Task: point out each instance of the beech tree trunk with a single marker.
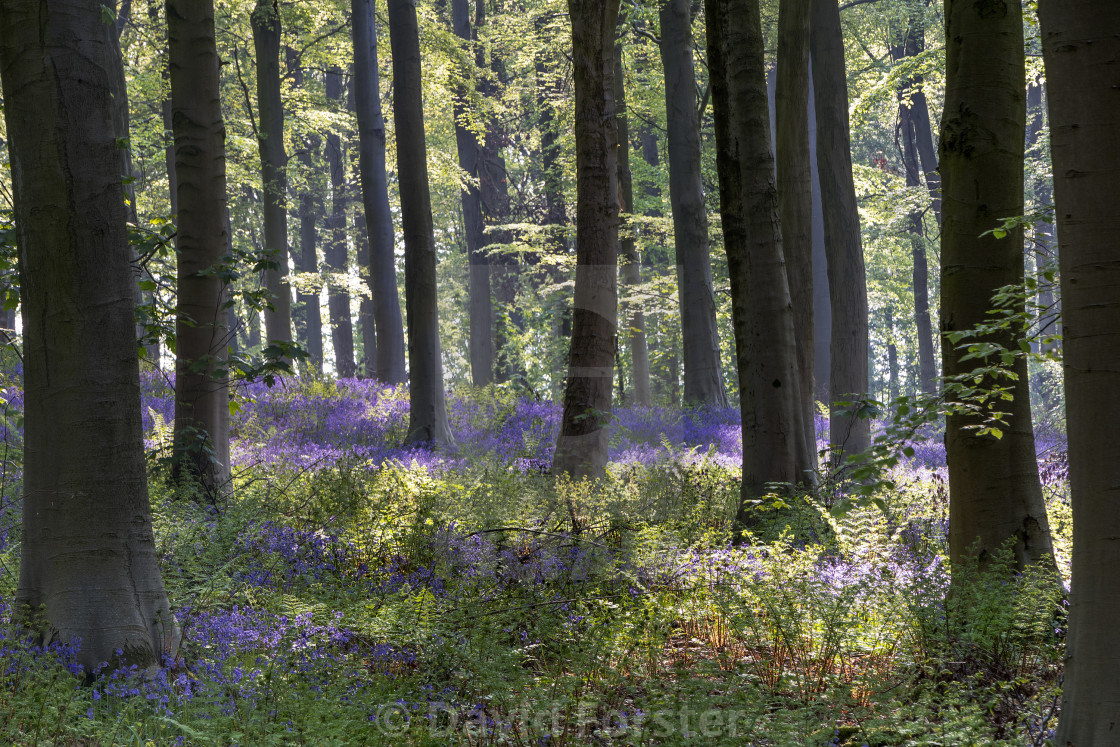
(88, 556)
(703, 377)
(910, 44)
(847, 278)
(265, 21)
(581, 448)
(338, 299)
(309, 210)
(367, 364)
(761, 311)
(795, 195)
(201, 401)
(1084, 107)
(427, 422)
(628, 250)
(994, 490)
(375, 197)
(480, 310)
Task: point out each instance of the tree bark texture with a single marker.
(479, 308)
(760, 302)
(795, 194)
(994, 490)
(428, 414)
(703, 377)
(1084, 107)
(375, 197)
(367, 364)
(847, 278)
(88, 555)
(265, 21)
(338, 298)
(627, 246)
(910, 44)
(201, 401)
(581, 448)
(309, 210)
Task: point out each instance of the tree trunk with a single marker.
(375, 198)
(88, 557)
(1084, 108)
(994, 491)
(703, 378)
(338, 299)
(427, 422)
(480, 311)
(760, 302)
(581, 449)
(310, 208)
(202, 241)
(906, 139)
(367, 364)
(822, 300)
(265, 20)
(627, 247)
(795, 195)
(847, 279)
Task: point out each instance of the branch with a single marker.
(853, 3)
(245, 90)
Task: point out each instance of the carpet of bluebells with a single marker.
(356, 592)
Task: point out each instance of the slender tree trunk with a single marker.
(703, 378)
(1084, 107)
(906, 139)
(761, 311)
(480, 312)
(427, 422)
(795, 195)
(994, 490)
(627, 247)
(88, 558)
(847, 279)
(581, 449)
(265, 21)
(310, 209)
(202, 240)
(375, 198)
(367, 364)
(822, 299)
(338, 300)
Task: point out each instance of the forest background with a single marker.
(498, 125)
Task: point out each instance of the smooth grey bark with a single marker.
(1084, 109)
(627, 247)
(581, 448)
(265, 21)
(427, 420)
(390, 366)
(479, 308)
(338, 297)
(822, 301)
(847, 278)
(201, 402)
(88, 558)
(367, 363)
(703, 377)
(994, 492)
(309, 210)
(760, 302)
(910, 43)
(795, 195)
